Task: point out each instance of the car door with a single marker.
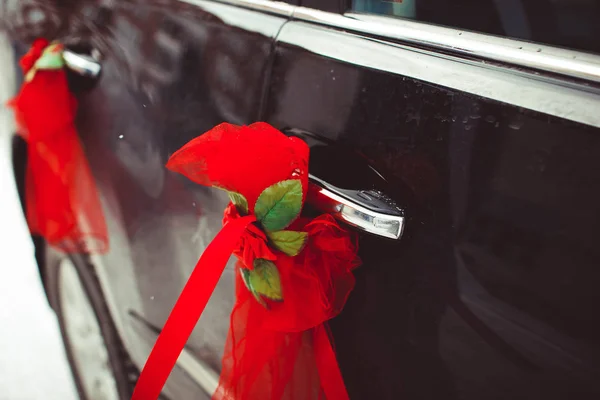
(491, 146)
(171, 70)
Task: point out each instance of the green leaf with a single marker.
(246, 278)
(264, 279)
(50, 60)
(279, 205)
(240, 202)
(289, 242)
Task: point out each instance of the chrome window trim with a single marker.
(539, 57)
(500, 84)
(267, 6)
(263, 22)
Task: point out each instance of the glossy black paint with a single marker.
(490, 294)
(169, 74)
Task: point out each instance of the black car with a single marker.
(473, 126)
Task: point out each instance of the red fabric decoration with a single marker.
(268, 351)
(242, 159)
(252, 243)
(294, 274)
(62, 204)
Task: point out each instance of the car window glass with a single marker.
(567, 23)
(293, 2)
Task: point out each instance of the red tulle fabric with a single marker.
(270, 353)
(242, 159)
(252, 244)
(283, 352)
(62, 203)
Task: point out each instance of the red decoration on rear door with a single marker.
(62, 203)
(294, 273)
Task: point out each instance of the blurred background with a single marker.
(32, 358)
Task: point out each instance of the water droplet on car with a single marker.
(151, 297)
(490, 118)
(120, 136)
(468, 127)
(475, 116)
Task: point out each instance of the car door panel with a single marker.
(490, 293)
(171, 71)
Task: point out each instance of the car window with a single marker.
(566, 23)
(293, 2)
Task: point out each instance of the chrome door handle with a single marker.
(82, 64)
(367, 210)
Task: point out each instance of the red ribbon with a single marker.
(332, 382)
(278, 349)
(189, 308)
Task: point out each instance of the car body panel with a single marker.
(490, 293)
(169, 73)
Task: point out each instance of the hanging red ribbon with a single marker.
(188, 309)
(62, 203)
(293, 274)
